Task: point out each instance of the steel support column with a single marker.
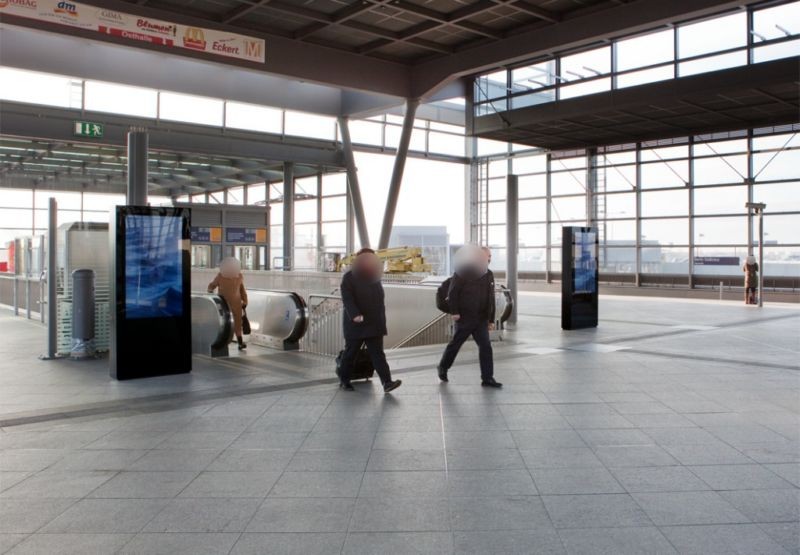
(761, 257)
(288, 216)
(349, 240)
(690, 188)
(512, 241)
(353, 187)
(397, 173)
(638, 243)
(52, 308)
(591, 186)
(320, 247)
(548, 268)
(137, 167)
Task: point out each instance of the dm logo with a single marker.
(194, 38)
(67, 9)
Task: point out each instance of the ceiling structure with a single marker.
(757, 95)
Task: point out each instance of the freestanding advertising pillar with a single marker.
(579, 278)
(151, 293)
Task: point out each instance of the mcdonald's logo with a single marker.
(194, 38)
(252, 48)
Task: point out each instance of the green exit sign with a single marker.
(88, 129)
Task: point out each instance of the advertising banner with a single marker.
(154, 31)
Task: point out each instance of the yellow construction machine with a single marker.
(397, 260)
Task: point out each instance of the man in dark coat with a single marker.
(472, 306)
(364, 319)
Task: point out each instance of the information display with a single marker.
(579, 278)
(584, 262)
(153, 266)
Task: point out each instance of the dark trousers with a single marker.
(479, 330)
(376, 354)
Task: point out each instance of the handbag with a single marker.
(245, 323)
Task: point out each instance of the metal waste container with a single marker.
(82, 314)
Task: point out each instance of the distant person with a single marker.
(471, 304)
(230, 283)
(364, 319)
(750, 270)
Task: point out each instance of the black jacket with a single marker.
(363, 298)
(472, 299)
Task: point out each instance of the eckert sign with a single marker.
(145, 29)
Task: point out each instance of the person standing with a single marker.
(230, 283)
(364, 319)
(750, 270)
(472, 308)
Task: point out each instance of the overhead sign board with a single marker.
(134, 27)
(206, 234)
(87, 128)
(716, 260)
(245, 235)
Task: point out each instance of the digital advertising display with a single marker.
(153, 266)
(579, 291)
(584, 260)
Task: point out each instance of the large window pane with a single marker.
(779, 197)
(16, 198)
(720, 200)
(256, 194)
(618, 232)
(569, 182)
(667, 232)
(532, 185)
(781, 261)
(121, 99)
(444, 143)
(529, 164)
(566, 209)
(646, 50)
(491, 86)
(660, 175)
(776, 51)
(616, 178)
(714, 63)
(334, 208)
(662, 260)
(665, 203)
(769, 166)
(334, 184)
(253, 118)
(191, 109)
(617, 260)
(781, 229)
(621, 205)
(770, 22)
(533, 210)
(532, 260)
(720, 231)
(301, 124)
(366, 132)
(723, 169)
(531, 78)
(720, 261)
(39, 88)
(713, 35)
(645, 76)
(586, 64)
(334, 235)
(588, 87)
(533, 235)
(305, 211)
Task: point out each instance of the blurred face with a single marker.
(368, 266)
(230, 267)
(470, 261)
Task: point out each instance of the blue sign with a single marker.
(201, 234)
(245, 235)
(716, 260)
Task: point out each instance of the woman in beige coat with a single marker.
(230, 283)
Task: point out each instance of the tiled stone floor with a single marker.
(672, 428)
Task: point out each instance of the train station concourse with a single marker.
(305, 277)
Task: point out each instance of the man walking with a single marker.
(472, 307)
(364, 318)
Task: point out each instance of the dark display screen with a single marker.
(153, 266)
(584, 262)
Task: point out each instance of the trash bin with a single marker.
(82, 314)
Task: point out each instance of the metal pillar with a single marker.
(591, 186)
(349, 239)
(352, 183)
(638, 241)
(137, 167)
(761, 257)
(548, 268)
(320, 246)
(288, 216)
(512, 241)
(52, 308)
(397, 173)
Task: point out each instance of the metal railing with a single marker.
(439, 330)
(324, 334)
(23, 293)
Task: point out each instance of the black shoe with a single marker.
(347, 386)
(390, 386)
(242, 346)
(442, 374)
(491, 382)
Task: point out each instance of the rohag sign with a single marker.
(145, 29)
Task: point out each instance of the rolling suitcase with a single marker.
(362, 366)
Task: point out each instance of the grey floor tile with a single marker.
(616, 541)
(498, 513)
(398, 543)
(317, 460)
(408, 440)
(634, 455)
(212, 423)
(480, 459)
(9, 479)
(775, 505)
(412, 459)
(775, 452)
(289, 544)
(252, 460)
(140, 485)
(231, 484)
(75, 484)
(680, 436)
(101, 516)
(175, 460)
(560, 457)
(598, 421)
(558, 481)
(547, 439)
(23, 516)
(338, 440)
(739, 476)
(738, 539)
(488, 483)
(400, 515)
(599, 438)
(658, 479)
(707, 454)
(788, 471)
(72, 544)
(180, 544)
(204, 515)
(404, 484)
(302, 515)
(99, 459)
(198, 440)
(542, 539)
(475, 424)
(129, 439)
(317, 484)
(594, 511)
(7, 541)
(269, 440)
(786, 534)
(479, 440)
(29, 460)
(689, 507)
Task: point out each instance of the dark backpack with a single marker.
(441, 296)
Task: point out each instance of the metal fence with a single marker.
(324, 334)
(23, 294)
